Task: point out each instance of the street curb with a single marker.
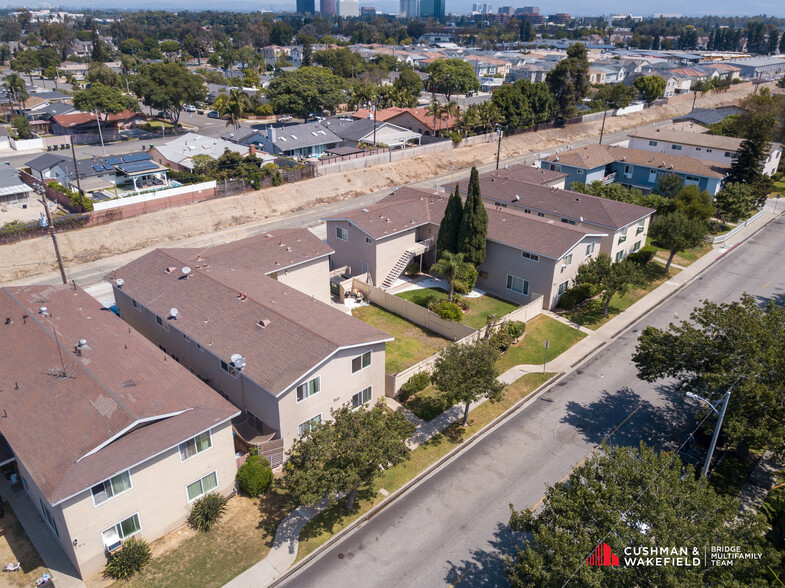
(521, 404)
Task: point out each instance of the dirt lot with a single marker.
(34, 256)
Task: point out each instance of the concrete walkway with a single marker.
(284, 550)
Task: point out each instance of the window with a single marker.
(255, 421)
(48, 516)
(162, 348)
(309, 388)
(531, 256)
(641, 226)
(729, 154)
(628, 171)
(111, 488)
(202, 486)
(636, 246)
(676, 147)
(579, 172)
(555, 167)
(518, 285)
(500, 204)
(195, 446)
(541, 214)
(199, 347)
(342, 233)
(567, 259)
(362, 397)
(563, 287)
(622, 239)
(186, 338)
(567, 221)
(305, 428)
(527, 210)
(135, 304)
(159, 321)
(709, 150)
(361, 362)
(229, 368)
(368, 240)
(652, 176)
(653, 143)
(114, 536)
(619, 255)
(698, 149)
(695, 179)
(589, 249)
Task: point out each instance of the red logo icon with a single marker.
(602, 556)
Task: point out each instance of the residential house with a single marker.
(526, 255)
(178, 153)
(533, 72)
(83, 127)
(488, 66)
(709, 116)
(723, 71)
(13, 191)
(110, 438)
(366, 131)
(597, 76)
(703, 146)
(624, 226)
(249, 319)
(529, 175)
(759, 66)
(634, 168)
(299, 141)
(273, 53)
(414, 119)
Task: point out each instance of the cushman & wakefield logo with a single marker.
(602, 556)
(642, 556)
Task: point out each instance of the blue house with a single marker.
(634, 168)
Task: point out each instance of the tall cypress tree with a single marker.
(474, 225)
(448, 229)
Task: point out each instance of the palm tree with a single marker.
(234, 106)
(468, 120)
(489, 115)
(448, 110)
(434, 109)
(17, 88)
(451, 267)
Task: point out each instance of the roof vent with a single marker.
(119, 282)
(170, 270)
(264, 323)
(186, 271)
(364, 210)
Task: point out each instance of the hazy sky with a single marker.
(575, 7)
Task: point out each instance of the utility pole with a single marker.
(76, 168)
(374, 126)
(54, 238)
(694, 99)
(604, 114)
(100, 134)
(499, 132)
(725, 402)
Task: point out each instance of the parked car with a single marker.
(315, 119)
(286, 118)
(189, 108)
(213, 114)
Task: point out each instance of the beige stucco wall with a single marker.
(612, 246)
(158, 496)
(311, 277)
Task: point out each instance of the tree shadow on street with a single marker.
(485, 567)
(623, 418)
(777, 298)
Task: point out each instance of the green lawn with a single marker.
(333, 519)
(479, 308)
(155, 125)
(682, 258)
(778, 187)
(531, 349)
(428, 403)
(589, 314)
(412, 343)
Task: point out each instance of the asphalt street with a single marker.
(451, 529)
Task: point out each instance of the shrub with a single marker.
(412, 269)
(448, 311)
(277, 178)
(501, 340)
(132, 557)
(255, 476)
(641, 257)
(206, 511)
(515, 328)
(456, 138)
(575, 295)
(417, 382)
(466, 279)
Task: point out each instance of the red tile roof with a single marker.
(79, 118)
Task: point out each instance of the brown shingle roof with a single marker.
(593, 156)
(526, 173)
(599, 211)
(301, 334)
(695, 139)
(59, 413)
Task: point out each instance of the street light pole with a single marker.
(604, 114)
(54, 238)
(725, 401)
(100, 134)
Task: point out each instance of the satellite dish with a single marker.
(235, 357)
(581, 219)
(239, 364)
(186, 270)
(107, 304)
(82, 342)
(120, 282)
(174, 312)
(43, 310)
(516, 198)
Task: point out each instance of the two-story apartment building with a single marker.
(281, 355)
(634, 168)
(701, 146)
(526, 255)
(110, 437)
(623, 225)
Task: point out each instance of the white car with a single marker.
(189, 108)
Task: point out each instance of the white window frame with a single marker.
(228, 368)
(341, 231)
(676, 147)
(118, 527)
(563, 287)
(729, 154)
(652, 143)
(162, 323)
(622, 238)
(530, 256)
(567, 259)
(362, 361)
(567, 221)
(368, 241)
(636, 247)
(620, 255)
(217, 485)
(111, 485)
(524, 291)
(541, 214)
(709, 150)
(641, 226)
(627, 171)
(579, 171)
(306, 384)
(301, 432)
(198, 452)
(589, 249)
(369, 389)
(48, 517)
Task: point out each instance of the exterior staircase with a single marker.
(397, 269)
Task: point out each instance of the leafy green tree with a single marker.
(59, 35)
(99, 52)
(669, 185)
(26, 62)
(342, 62)
(452, 76)
(280, 33)
(47, 57)
(621, 193)
(346, 453)
(676, 232)
(734, 201)
(738, 346)
(527, 33)
(408, 81)
(611, 278)
(306, 90)
(747, 166)
(650, 87)
(695, 205)
(451, 266)
(130, 46)
(524, 104)
(447, 239)
(98, 73)
(103, 99)
(569, 80)
(473, 230)
(169, 47)
(168, 87)
(52, 73)
(613, 96)
(467, 373)
(625, 496)
(22, 126)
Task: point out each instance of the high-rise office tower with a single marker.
(327, 7)
(432, 8)
(409, 9)
(347, 8)
(306, 6)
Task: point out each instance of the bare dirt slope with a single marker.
(35, 256)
